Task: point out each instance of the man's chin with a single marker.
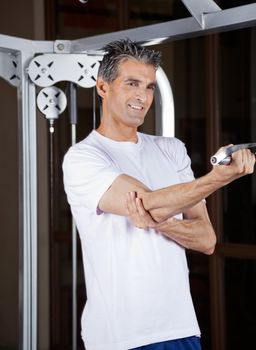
(136, 122)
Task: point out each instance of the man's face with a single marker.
(129, 97)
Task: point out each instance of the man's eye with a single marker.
(133, 83)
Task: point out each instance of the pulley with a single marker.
(51, 101)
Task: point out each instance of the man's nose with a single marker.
(141, 95)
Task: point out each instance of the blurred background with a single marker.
(214, 85)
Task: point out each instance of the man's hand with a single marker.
(242, 163)
(137, 213)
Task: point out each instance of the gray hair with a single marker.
(124, 49)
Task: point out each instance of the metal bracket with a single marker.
(9, 68)
(198, 9)
(62, 46)
(48, 69)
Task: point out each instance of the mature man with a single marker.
(137, 207)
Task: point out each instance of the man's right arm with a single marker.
(175, 199)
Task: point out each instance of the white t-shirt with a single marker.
(136, 280)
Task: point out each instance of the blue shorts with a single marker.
(190, 343)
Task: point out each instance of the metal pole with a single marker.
(28, 210)
(164, 106)
(74, 266)
(214, 22)
(73, 121)
(94, 107)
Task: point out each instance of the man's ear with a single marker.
(101, 87)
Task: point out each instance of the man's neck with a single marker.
(122, 134)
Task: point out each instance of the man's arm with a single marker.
(169, 201)
(194, 232)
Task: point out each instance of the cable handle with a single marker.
(223, 157)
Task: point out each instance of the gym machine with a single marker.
(32, 65)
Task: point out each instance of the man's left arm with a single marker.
(194, 232)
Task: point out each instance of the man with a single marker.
(137, 207)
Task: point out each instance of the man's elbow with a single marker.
(158, 215)
(209, 250)
(210, 244)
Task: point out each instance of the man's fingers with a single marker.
(130, 202)
(137, 213)
(144, 213)
(140, 207)
(245, 159)
(250, 161)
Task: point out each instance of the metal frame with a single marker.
(164, 106)
(214, 22)
(206, 18)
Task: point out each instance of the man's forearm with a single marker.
(175, 199)
(196, 234)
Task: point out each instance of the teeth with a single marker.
(138, 108)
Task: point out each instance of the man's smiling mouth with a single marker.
(135, 107)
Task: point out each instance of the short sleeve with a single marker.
(178, 152)
(185, 171)
(87, 174)
(183, 162)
